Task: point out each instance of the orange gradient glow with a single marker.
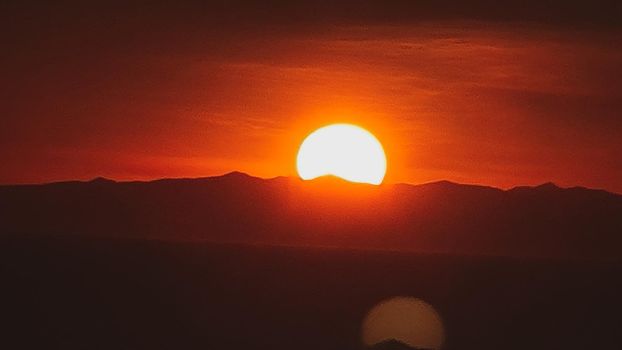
(494, 104)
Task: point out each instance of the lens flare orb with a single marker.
(408, 320)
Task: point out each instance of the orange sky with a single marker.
(473, 101)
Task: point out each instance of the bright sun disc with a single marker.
(343, 150)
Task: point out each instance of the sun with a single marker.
(343, 150)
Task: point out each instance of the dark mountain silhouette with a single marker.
(542, 221)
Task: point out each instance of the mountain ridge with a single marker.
(443, 217)
(243, 175)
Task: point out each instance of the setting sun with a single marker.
(342, 150)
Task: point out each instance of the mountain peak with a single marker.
(443, 183)
(548, 186)
(101, 180)
(236, 175)
(333, 179)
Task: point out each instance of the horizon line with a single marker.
(237, 172)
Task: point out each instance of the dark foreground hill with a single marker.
(545, 221)
(76, 293)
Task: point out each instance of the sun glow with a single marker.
(342, 150)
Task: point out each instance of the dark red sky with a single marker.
(499, 94)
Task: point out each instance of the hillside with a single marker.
(542, 221)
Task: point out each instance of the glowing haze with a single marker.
(492, 96)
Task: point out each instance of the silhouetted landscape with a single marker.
(311, 174)
(231, 262)
(543, 221)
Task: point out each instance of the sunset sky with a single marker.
(518, 93)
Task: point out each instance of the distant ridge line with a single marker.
(444, 217)
(242, 175)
